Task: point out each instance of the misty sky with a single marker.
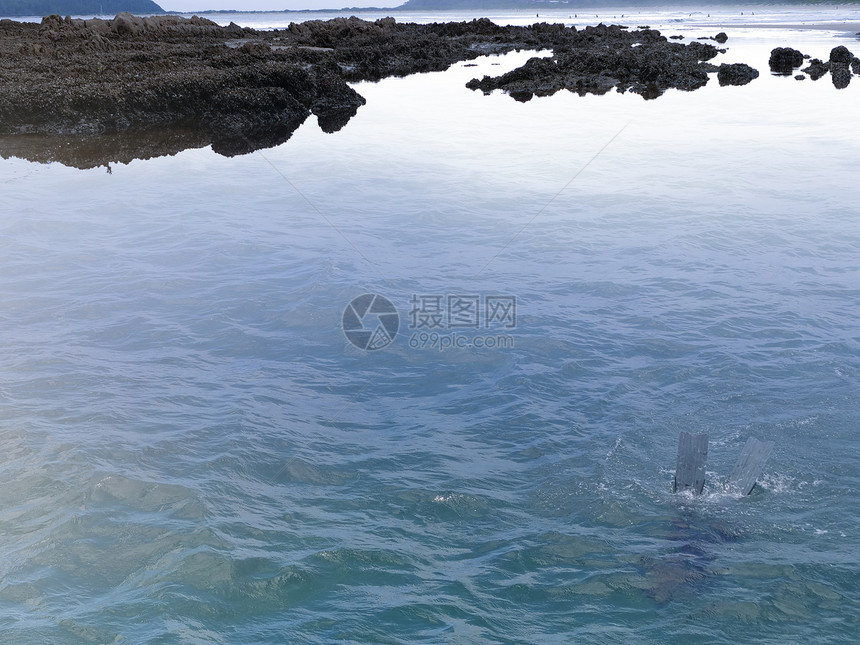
(270, 5)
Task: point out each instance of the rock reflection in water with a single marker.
(86, 151)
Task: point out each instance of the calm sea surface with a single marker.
(194, 452)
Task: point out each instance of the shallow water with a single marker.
(194, 452)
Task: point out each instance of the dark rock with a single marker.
(336, 119)
(841, 54)
(855, 65)
(260, 50)
(816, 69)
(642, 62)
(676, 37)
(784, 59)
(126, 24)
(704, 51)
(234, 30)
(87, 77)
(800, 77)
(736, 74)
(840, 75)
(721, 37)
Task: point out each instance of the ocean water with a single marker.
(195, 452)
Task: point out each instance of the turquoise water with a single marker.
(193, 452)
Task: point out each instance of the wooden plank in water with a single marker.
(690, 469)
(749, 465)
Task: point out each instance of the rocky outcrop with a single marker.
(816, 69)
(375, 50)
(783, 60)
(63, 32)
(840, 72)
(235, 86)
(720, 38)
(841, 55)
(602, 58)
(69, 76)
(840, 64)
(736, 74)
(840, 75)
(130, 77)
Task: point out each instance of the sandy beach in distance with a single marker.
(852, 27)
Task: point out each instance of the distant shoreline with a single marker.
(850, 26)
(552, 14)
(216, 12)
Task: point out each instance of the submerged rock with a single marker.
(784, 59)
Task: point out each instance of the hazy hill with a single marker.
(75, 7)
(422, 5)
(573, 5)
